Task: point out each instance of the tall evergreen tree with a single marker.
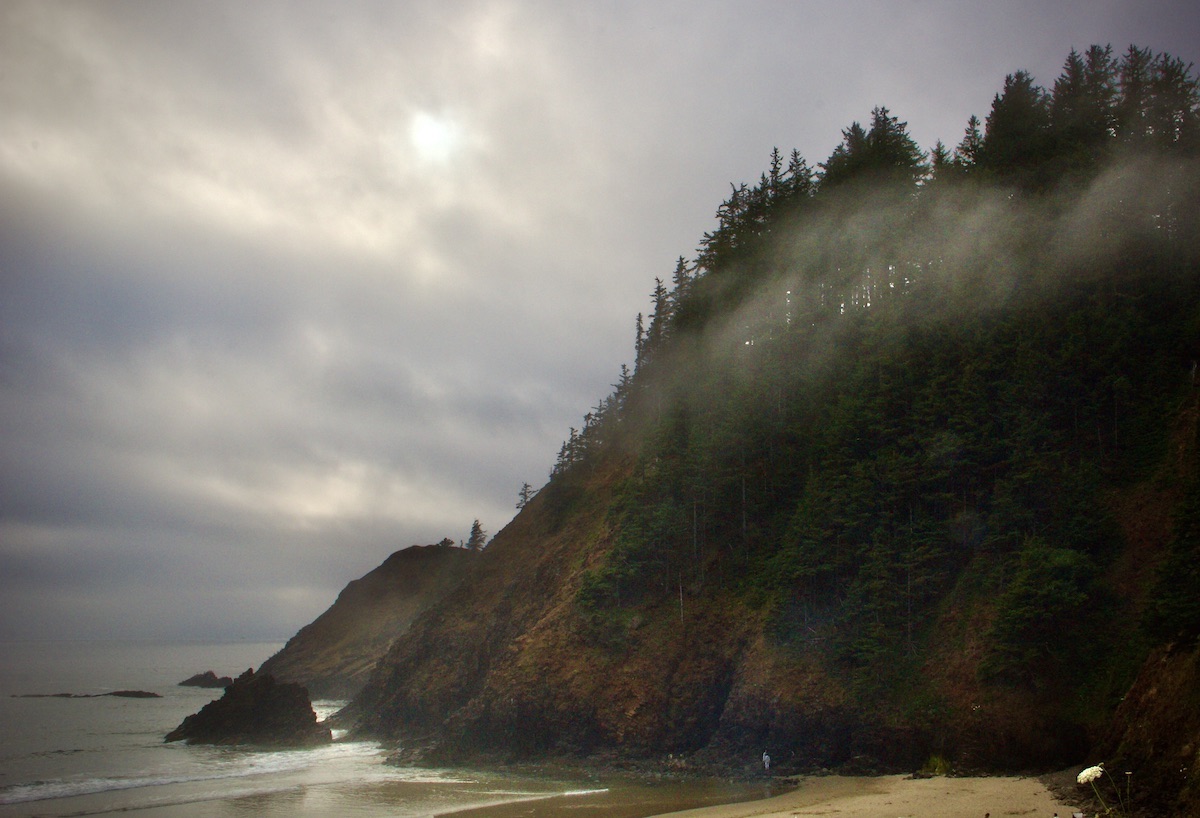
(1134, 76)
(966, 155)
(1083, 108)
(1016, 138)
(478, 537)
(848, 159)
(885, 155)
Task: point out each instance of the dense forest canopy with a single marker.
(901, 375)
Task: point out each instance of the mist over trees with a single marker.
(900, 375)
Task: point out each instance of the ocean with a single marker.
(105, 754)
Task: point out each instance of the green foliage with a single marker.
(870, 391)
(1174, 613)
(936, 765)
(1046, 620)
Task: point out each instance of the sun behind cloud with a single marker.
(435, 138)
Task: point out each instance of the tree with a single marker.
(526, 494)
(885, 154)
(797, 180)
(940, 161)
(966, 155)
(1134, 76)
(1083, 107)
(1015, 139)
(657, 332)
(478, 537)
(1174, 610)
(848, 158)
(681, 281)
(1174, 103)
(639, 342)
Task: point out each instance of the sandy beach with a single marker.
(898, 796)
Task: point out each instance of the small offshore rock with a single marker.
(206, 679)
(255, 710)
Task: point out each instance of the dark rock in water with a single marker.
(255, 710)
(206, 679)
(124, 694)
(133, 694)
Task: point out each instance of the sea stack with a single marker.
(255, 710)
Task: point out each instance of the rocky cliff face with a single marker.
(333, 656)
(505, 666)
(510, 665)
(1155, 738)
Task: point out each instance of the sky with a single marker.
(285, 287)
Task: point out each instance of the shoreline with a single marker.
(890, 796)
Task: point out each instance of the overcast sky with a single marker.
(285, 287)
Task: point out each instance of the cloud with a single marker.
(254, 336)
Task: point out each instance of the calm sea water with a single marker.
(97, 756)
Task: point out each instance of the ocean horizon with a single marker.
(104, 754)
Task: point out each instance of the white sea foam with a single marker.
(227, 765)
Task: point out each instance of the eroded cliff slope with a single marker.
(333, 656)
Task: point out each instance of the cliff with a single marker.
(974, 596)
(905, 474)
(334, 654)
(511, 665)
(1155, 738)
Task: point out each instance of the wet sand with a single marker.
(898, 796)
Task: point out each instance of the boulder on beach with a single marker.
(255, 710)
(206, 679)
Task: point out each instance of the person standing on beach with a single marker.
(766, 763)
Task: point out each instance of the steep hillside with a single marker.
(1155, 738)
(905, 468)
(334, 654)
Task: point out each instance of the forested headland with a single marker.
(904, 470)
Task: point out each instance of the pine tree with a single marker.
(681, 281)
(885, 155)
(639, 343)
(941, 162)
(1016, 136)
(657, 333)
(847, 159)
(966, 155)
(798, 180)
(1134, 77)
(526, 494)
(478, 537)
(1083, 107)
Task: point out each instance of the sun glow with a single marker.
(435, 138)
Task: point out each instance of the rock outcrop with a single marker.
(206, 679)
(1155, 738)
(120, 694)
(255, 710)
(334, 655)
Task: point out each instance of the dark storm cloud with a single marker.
(286, 286)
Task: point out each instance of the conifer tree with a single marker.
(966, 155)
(1017, 131)
(525, 494)
(885, 155)
(478, 537)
